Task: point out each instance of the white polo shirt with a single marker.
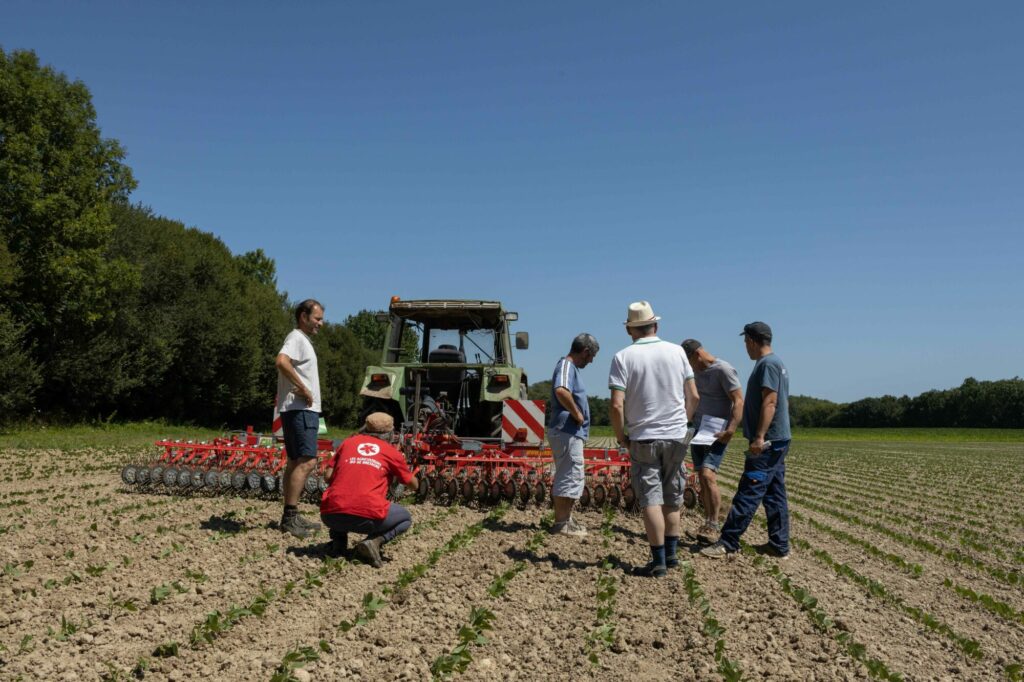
(298, 347)
(653, 374)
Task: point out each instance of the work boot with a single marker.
(368, 551)
(308, 523)
(293, 524)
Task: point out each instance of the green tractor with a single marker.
(447, 360)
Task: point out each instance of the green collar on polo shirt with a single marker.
(647, 339)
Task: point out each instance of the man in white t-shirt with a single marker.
(298, 401)
(654, 397)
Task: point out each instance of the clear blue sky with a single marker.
(851, 173)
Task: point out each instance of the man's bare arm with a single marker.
(692, 398)
(285, 367)
(726, 435)
(616, 415)
(565, 400)
(769, 402)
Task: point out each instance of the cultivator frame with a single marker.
(240, 463)
(451, 469)
(440, 406)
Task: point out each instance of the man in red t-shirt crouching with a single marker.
(356, 499)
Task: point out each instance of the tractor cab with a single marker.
(447, 357)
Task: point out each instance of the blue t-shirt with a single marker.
(769, 372)
(567, 376)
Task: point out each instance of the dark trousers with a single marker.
(763, 480)
(390, 527)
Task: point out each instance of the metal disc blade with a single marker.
(128, 474)
(212, 479)
(170, 477)
(185, 478)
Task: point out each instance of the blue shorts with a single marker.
(300, 431)
(708, 456)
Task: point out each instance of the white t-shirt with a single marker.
(653, 374)
(297, 346)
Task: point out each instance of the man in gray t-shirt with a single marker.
(721, 395)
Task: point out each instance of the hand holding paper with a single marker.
(709, 427)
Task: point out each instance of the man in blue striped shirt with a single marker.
(568, 428)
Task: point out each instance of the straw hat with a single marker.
(640, 314)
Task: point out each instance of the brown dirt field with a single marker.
(96, 576)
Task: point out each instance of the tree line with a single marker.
(973, 404)
(109, 311)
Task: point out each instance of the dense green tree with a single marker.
(342, 359)
(373, 334)
(203, 329)
(19, 374)
(58, 180)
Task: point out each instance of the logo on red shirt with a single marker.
(368, 449)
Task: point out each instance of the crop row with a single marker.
(821, 621)
(480, 617)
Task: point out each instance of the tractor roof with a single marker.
(481, 313)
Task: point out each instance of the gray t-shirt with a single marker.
(714, 385)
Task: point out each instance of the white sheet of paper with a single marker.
(709, 426)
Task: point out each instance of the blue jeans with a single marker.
(763, 480)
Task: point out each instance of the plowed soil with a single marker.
(100, 579)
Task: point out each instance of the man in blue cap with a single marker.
(766, 427)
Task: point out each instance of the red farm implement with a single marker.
(245, 462)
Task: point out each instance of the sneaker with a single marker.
(716, 551)
(368, 551)
(293, 525)
(568, 528)
(651, 570)
(577, 528)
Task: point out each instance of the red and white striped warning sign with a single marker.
(523, 416)
(276, 427)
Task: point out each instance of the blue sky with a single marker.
(850, 173)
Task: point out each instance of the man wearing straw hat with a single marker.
(654, 397)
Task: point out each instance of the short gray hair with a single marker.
(584, 342)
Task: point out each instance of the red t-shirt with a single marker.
(363, 467)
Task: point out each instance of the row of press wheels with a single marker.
(448, 489)
(184, 479)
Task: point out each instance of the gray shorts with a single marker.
(656, 471)
(567, 453)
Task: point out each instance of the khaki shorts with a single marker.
(656, 471)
